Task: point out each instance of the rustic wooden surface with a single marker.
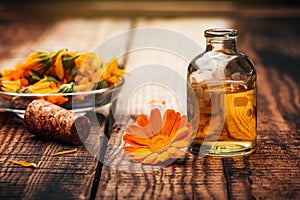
(271, 172)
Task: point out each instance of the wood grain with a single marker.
(69, 175)
(272, 171)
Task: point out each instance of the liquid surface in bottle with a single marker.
(227, 119)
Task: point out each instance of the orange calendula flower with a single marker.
(111, 73)
(10, 86)
(59, 68)
(63, 61)
(60, 72)
(80, 59)
(58, 100)
(43, 86)
(89, 72)
(12, 74)
(39, 62)
(157, 140)
(46, 86)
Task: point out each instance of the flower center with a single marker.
(159, 143)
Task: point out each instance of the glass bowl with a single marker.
(78, 102)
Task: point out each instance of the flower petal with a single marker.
(59, 69)
(143, 120)
(176, 126)
(156, 121)
(10, 86)
(182, 134)
(136, 150)
(137, 154)
(136, 131)
(137, 159)
(151, 159)
(181, 143)
(169, 120)
(136, 141)
(174, 152)
(164, 156)
(183, 121)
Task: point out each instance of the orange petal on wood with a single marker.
(24, 163)
(64, 152)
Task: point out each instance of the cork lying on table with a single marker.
(53, 122)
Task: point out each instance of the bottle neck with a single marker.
(224, 45)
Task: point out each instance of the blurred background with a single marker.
(27, 25)
(164, 8)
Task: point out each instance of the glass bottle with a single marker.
(223, 81)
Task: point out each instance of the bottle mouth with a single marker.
(220, 32)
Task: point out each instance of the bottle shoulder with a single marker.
(219, 65)
(213, 60)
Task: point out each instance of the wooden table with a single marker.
(271, 172)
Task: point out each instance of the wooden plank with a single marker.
(272, 171)
(62, 177)
(17, 38)
(67, 176)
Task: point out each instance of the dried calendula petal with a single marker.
(154, 101)
(24, 163)
(64, 152)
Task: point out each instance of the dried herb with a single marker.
(60, 72)
(64, 152)
(24, 163)
(154, 101)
